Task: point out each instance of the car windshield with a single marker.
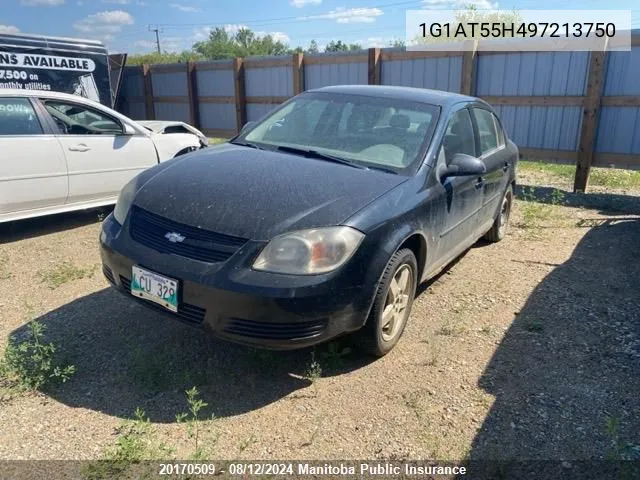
(374, 132)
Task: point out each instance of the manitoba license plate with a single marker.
(154, 287)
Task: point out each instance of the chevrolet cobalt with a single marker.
(319, 220)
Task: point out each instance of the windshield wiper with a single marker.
(318, 155)
(381, 169)
(246, 144)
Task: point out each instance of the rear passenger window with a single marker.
(17, 117)
(489, 130)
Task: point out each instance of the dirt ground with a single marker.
(527, 349)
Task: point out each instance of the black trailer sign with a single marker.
(62, 65)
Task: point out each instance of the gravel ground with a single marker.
(521, 349)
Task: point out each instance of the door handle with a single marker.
(81, 147)
(505, 167)
(479, 183)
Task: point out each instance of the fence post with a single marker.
(240, 98)
(298, 73)
(595, 81)
(148, 92)
(192, 92)
(374, 66)
(468, 70)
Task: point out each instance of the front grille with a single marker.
(106, 271)
(150, 229)
(187, 312)
(275, 331)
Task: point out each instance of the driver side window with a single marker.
(74, 119)
(458, 137)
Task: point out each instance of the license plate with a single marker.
(154, 287)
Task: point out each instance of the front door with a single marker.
(462, 195)
(101, 158)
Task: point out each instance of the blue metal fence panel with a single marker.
(532, 73)
(623, 73)
(324, 74)
(172, 111)
(619, 130)
(218, 116)
(134, 110)
(169, 84)
(437, 73)
(257, 111)
(269, 81)
(554, 128)
(215, 83)
(132, 83)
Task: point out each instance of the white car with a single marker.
(61, 152)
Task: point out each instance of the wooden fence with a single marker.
(579, 108)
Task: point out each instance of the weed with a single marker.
(151, 370)
(244, 444)
(452, 330)
(314, 370)
(619, 450)
(65, 272)
(486, 329)
(216, 140)
(334, 355)
(192, 421)
(557, 197)
(32, 363)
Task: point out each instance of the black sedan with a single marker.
(317, 221)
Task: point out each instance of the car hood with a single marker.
(257, 194)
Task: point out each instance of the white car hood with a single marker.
(170, 144)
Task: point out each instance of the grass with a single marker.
(534, 213)
(216, 140)
(32, 363)
(5, 274)
(602, 177)
(452, 330)
(65, 272)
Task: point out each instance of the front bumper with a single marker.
(238, 304)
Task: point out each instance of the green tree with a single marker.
(155, 57)
(340, 46)
(244, 43)
(313, 47)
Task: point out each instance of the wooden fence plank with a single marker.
(595, 81)
(266, 100)
(620, 101)
(555, 156)
(148, 93)
(241, 106)
(324, 59)
(374, 66)
(553, 100)
(298, 73)
(468, 71)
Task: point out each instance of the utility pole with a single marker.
(157, 32)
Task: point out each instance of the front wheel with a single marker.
(392, 305)
(499, 228)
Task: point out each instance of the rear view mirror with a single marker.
(128, 129)
(463, 164)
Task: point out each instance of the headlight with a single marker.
(125, 199)
(308, 252)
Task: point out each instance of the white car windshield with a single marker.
(364, 130)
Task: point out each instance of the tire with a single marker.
(500, 224)
(377, 337)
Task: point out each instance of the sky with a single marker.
(124, 25)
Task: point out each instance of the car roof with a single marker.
(422, 95)
(18, 92)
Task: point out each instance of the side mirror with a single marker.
(247, 126)
(128, 129)
(463, 164)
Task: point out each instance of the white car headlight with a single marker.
(309, 252)
(125, 199)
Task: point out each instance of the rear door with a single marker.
(493, 152)
(101, 157)
(33, 171)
